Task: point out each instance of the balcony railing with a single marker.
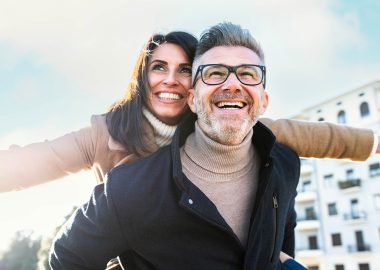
(359, 248)
(355, 215)
(349, 183)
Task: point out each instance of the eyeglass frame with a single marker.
(230, 69)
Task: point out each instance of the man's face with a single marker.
(226, 112)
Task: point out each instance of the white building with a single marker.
(338, 202)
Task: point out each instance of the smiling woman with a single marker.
(169, 73)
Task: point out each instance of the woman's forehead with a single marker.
(169, 52)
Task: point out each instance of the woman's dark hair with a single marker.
(124, 118)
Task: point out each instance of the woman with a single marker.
(146, 118)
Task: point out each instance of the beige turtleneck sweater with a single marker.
(227, 175)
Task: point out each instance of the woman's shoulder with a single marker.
(99, 120)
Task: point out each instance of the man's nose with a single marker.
(232, 83)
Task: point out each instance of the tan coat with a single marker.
(93, 148)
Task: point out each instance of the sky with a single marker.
(62, 61)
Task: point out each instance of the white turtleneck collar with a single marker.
(163, 133)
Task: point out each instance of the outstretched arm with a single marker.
(323, 139)
(37, 163)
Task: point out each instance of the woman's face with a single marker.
(169, 77)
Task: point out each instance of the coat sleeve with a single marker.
(322, 139)
(37, 163)
(91, 237)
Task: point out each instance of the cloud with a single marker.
(94, 44)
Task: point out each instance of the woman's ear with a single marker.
(190, 100)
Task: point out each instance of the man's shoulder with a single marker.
(284, 150)
(137, 169)
(286, 160)
(131, 183)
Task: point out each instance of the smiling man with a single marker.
(221, 196)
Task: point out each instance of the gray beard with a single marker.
(221, 132)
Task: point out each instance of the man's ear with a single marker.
(265, 101)
(190, 100)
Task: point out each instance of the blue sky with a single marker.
(60, 62)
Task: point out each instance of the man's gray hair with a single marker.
(227, 34)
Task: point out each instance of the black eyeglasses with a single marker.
(214, 74)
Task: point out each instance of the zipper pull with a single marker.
(275, 203)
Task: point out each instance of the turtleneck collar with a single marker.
(217, 161)
(163, 133)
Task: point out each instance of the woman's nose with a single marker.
(171, 78)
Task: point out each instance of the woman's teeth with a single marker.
(169, 96)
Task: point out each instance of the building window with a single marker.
(306, 186)
(310, 213)
(363, 266)
(376, 198)
(328, 180)
(320, 119)
(336, 239)
(364, 109)
(350, 174)
(341, 117)
(333, 211)
(339, 267)
(355, 207)
(313, 242)
(374, 169)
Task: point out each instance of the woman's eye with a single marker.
(158, 67)
(186, 70)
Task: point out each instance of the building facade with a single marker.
(338, 201)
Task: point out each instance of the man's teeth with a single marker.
(230, 105)
(169, 96)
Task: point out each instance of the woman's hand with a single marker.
(288, 263)
(284, 257)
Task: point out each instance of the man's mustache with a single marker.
(222, 96)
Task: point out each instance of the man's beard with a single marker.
(226, 129)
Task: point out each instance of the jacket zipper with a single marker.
(275, 207)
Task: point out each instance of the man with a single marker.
(220, 197)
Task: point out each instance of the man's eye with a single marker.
(247, 74)
(216, 74)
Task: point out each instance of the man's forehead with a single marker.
(230, 55)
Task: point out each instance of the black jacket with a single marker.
(151, 216)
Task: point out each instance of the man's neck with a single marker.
(216, 160)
